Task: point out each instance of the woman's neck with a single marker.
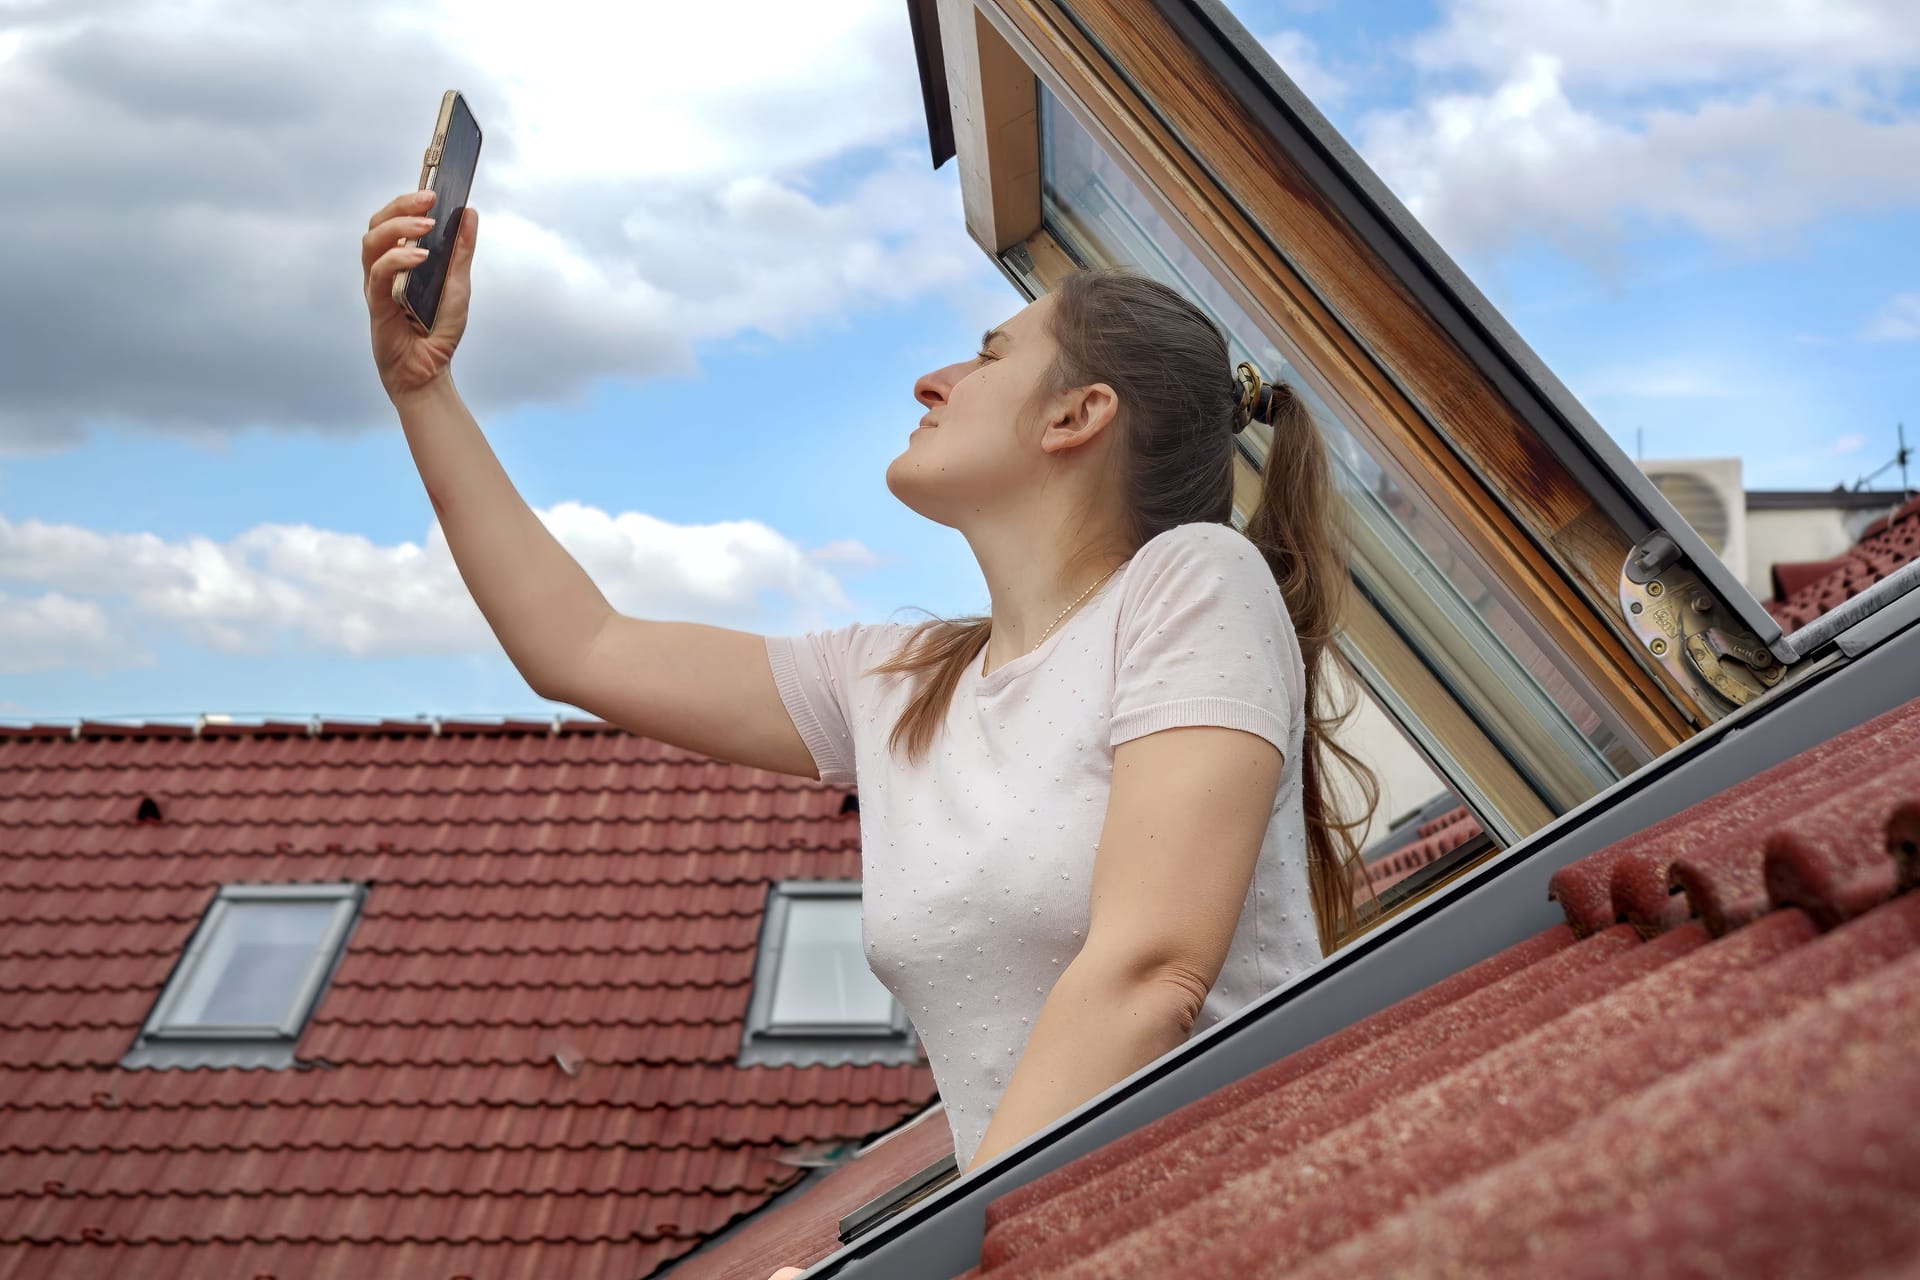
(1033, 588)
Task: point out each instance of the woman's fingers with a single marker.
(384, 235)
(389, 264)
(406, 202)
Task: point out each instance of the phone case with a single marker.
(428, 163)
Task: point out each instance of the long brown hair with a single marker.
(1167, 363)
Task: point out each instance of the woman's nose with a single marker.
(930, 389)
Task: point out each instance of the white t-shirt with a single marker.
(977, 864)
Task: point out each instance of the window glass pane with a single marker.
(1433, 591)
(253, 965)
(824, 977)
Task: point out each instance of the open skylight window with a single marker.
(250, 975)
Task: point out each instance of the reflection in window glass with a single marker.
(824, 977)
(1432, 590)
(255, 965)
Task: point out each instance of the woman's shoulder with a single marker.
(1196, 539)
(1203, 545)
(1203, 561)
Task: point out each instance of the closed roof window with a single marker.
(249, 977)
(815, 999)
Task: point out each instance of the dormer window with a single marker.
(249, 977)
(815, 999)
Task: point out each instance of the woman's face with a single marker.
(976, 447)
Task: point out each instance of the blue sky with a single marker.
(700, 307)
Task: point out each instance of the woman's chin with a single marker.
(912, 491)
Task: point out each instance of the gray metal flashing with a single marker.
(188, 1055)
(1491, 908)
(1559, 420)
(1849, 613)
(1881, 625)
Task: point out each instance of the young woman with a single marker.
(1092, 821)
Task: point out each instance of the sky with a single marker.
(713, 258)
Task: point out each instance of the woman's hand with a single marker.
(787, 1273)
(408, 360)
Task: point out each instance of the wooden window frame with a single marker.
(1255, 214)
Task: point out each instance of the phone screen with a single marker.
(451, 180)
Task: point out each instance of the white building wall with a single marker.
(1775, 536)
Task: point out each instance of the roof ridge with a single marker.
(223, 724)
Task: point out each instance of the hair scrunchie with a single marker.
(1254, 399)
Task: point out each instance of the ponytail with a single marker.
(1297, 529)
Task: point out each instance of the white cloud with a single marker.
(1898, 321)
(1300, 58)
(52, 631)
(187, 186)
(1483, 170)
(1624, 45)
(278, 586)
(847, 551)
(643, 93)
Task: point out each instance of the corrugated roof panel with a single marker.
(1691, 1090)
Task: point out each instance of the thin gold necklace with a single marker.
(1056, 622)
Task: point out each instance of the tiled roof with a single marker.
(804, 1226)
(1806, 590)
(525, 1062)
(1436, 838)
(1708, 1070)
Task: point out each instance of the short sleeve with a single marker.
(1204, 638)
(819, 676)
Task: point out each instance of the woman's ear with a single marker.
(1080, 415)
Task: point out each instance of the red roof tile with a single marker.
(525, 1064)
(1808, 589)
(1437, 838)
(805, 1225)
(1727, 1096)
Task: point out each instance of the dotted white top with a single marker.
(977, 864)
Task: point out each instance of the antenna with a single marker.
(1901, 456)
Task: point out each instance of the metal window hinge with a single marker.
(1693, 636)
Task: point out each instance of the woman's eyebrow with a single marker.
(991, 336)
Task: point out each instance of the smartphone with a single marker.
(448, 169)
